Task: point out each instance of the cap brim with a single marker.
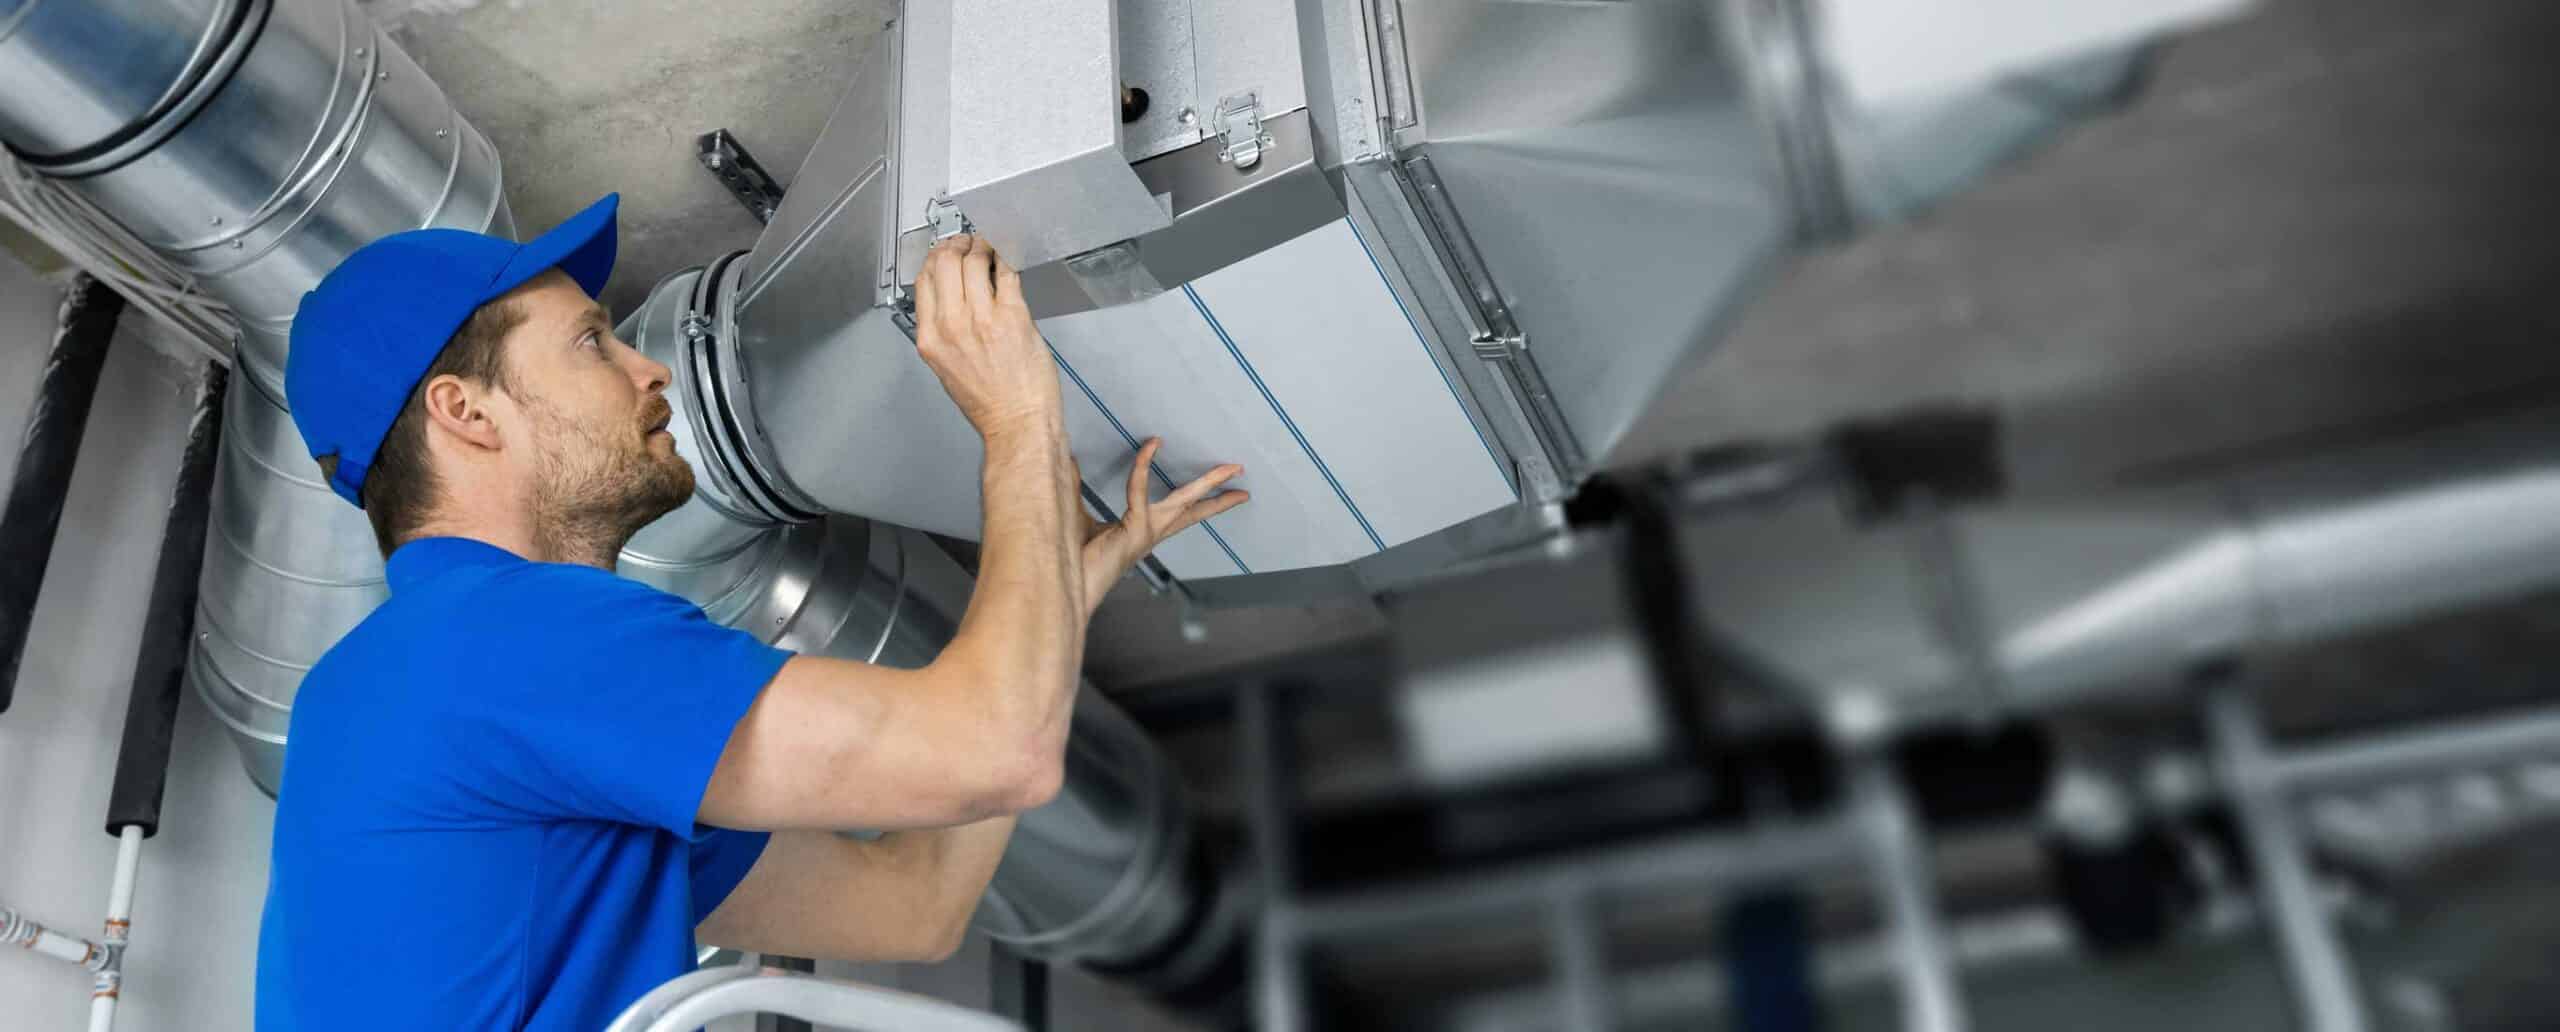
(582, 246)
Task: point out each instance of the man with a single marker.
(519, 790)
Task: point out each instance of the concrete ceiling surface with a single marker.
(585, 97)
(2328, 217)
(2326, 214)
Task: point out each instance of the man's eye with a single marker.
(591, 340)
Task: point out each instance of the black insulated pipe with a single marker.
(45, 457)
(168, 625)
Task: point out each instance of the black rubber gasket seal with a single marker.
(248, 18)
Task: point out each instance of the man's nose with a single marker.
(652, 375)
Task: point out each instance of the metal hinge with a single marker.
(1492, 332)
(1238, 122)
(945, 218)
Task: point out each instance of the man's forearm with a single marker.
(1023, 632)
(958, 862)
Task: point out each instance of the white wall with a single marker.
(192, 961)
(204, 875)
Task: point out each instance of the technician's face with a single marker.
(598, 413)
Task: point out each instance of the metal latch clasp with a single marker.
(1238, 123)
(945, 218)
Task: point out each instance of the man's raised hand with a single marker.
(1111, 548)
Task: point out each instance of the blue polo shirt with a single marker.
(487, 813)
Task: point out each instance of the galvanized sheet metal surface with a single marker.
(1301, 365)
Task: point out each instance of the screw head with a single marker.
(216, 220)
(1188, 117)
(440, 133)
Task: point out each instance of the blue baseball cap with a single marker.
(365, 336)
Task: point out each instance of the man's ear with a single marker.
(461, 409)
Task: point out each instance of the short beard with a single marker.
(599, 486)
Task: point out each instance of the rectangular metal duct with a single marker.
(1414, 263)
(1035, 154)
(1249, 320)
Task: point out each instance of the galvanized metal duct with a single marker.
(292, 132)
(1106, 874)
(2037, 603)
(1355, 243)
(254, 143)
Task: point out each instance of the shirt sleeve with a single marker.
(590, 696)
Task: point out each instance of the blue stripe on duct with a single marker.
(1208, 526)
(1283, 413)
(1335, 349)
(1299, 363)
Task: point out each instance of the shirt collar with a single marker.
(423, 558)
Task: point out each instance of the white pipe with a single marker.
(697, 999)
(102, 1000)
(26, 934)
(2480, 742)
(120, 892)
(1906, 883)
(2316, 964)
(110, 981)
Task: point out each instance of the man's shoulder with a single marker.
(509, 613)
(502, 597)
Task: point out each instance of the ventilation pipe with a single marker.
(2035, 604)
(256, 143)
(1332, 155)
(1108, 874)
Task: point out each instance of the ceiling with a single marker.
(2329, 219)
(2331, 213)
(583, 97)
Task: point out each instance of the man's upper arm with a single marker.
(835, 744)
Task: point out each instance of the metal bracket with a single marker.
(902, 310)
(945, 218)
(1238, 122)
(1789, 95)
(747, 181)
(1492, 332)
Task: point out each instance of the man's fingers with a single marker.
(938, 260)
(1194, 491)
(1201, 510)
(1138, 479)
(1008, 285)
(977, 276)
(928, 305)
(946, 267)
